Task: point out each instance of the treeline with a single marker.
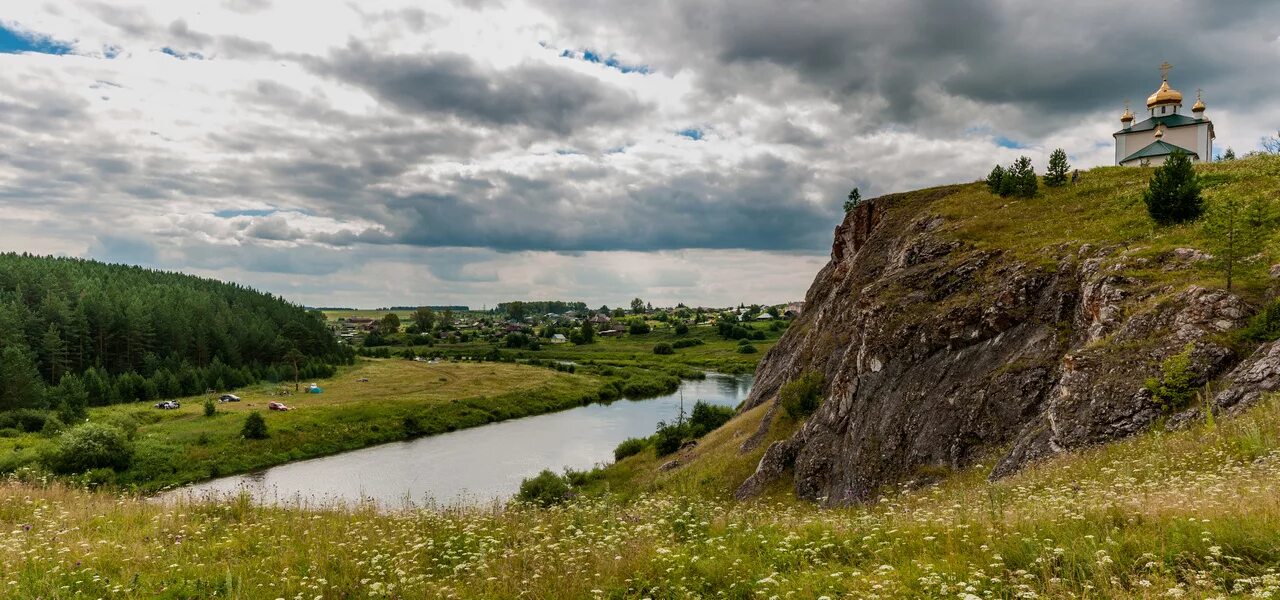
(520, 309)
(441, 308)
(76, 332)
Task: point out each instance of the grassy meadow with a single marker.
(180, 446)
(1166, 515)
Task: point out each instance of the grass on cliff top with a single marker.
(180, 446)
(1165, 515)
(1105, 208)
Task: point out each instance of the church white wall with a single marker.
(1194, 137)
(1183, 137)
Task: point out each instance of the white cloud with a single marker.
(398, 152)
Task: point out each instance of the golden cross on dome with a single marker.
(1198, 91)
(1164, 70)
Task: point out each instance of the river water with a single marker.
(475, 465)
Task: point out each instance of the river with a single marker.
(476, 465)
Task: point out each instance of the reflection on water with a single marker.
(477, 464)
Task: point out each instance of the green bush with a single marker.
(630, 447)
(801, 396)
(708, 417)
(255, 427)
(1173, 389)
(210, 408)
(668, 438)
(1264, 326)
(687, 343)
(90, 446)
(681, 329)
(412, 426)
(26, 419)
(638, 326)
(663, 348)
(545, 489)
(747, 349)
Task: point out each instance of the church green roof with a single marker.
(1174, 120)
(1157, 148)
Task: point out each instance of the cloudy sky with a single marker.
(376, 153)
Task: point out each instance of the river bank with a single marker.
(476, 465)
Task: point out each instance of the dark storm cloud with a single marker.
(757, 206)
(531, 95)
(884, 59)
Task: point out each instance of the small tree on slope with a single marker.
(1056, 174)
(1235, 229)
(1021, 178)
(1173, 196)
(995, 180)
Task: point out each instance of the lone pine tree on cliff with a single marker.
(1173, 196)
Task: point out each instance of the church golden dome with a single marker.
(1199, 105)
(1164, 95)
(1127, 116)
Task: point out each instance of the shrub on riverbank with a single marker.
(255, 427)
(90, 446)
(630, 447)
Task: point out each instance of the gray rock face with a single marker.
(936, 353)
(1256, 375)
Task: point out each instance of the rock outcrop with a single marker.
(937, 353)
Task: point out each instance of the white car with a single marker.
(168, 405)
(229, 398)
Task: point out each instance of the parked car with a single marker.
(229, 398)
(278, 406)
(168, 405)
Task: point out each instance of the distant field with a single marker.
(716, 353)
(333, 315)
(181, 446)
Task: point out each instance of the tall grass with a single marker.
(1184, 514)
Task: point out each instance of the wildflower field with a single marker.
(1189, 514)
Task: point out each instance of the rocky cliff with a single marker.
(939, 352)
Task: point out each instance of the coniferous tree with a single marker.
(587, 334)
(1235, 229)
(255, 427)
(69, 398)
(854, 199)
(1022, 178)
(53, 354)
(20, 384)
(1056, 174)
(1173, 195)
(995, 180)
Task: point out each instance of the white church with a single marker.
(1166, 130)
